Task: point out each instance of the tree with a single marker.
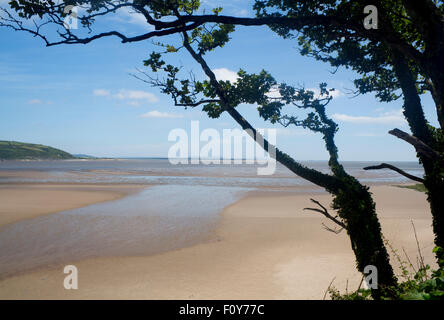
(352, 200)
(355, 206)
(404, 53)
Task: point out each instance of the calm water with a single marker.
(160, 171)
(180, 207)
(158, 219)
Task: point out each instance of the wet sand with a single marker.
(265, 247)
(25, 201)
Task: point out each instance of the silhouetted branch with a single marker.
(420, 146)
(402, 172)
(325, 213)
(67, 37)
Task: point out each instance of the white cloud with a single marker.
(391, 117)
(35, 101)
(127, 15)
(293, 132)
(131, 97)
(136, 95)
(158, 114)
(225, 74)
(335, 93)
(274, 93)
(101, 92)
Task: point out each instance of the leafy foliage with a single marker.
(343, 46)
(418, 187)
(11, 150)
(421, 284)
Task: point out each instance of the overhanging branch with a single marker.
(325, 213)
(420, 146)
(191, 21)
(401, 172)
(329, 182)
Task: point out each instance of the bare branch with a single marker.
(391, 167)
(328, 288)
(421, 258)
(325, 213)
(295, 23)
(420, 146)
(67, 37)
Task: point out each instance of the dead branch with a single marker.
(420, 146)
(391, 167)
(328, 288)
(325, 213)
(421, 258)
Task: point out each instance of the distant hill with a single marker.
(12, 150)
(84, 156)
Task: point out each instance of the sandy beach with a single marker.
(264, 247)
(25, 201)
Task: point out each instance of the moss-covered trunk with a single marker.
(434, 182)
(357, 208)
(433, 168)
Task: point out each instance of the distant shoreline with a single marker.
(233, 159)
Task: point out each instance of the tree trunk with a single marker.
(435, 192)
(354, 202)
(356, 207)
(433, 168)
(429, 22)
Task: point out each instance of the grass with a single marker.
(12, 150)
(418, 187)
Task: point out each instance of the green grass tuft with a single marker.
(418, 187)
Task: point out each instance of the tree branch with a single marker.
(329, 182)
(299, 22)
(389, 166)
(325, 213)
(295, 23)
(70, 38)
(420, 146)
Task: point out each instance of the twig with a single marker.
(328, 288)
(421, 258)
(360, 284)
(419, 145)
(325, 213)
(408, 259)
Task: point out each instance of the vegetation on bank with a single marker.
(419, 283)
(418, 187)
(12, 150)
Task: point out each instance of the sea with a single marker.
(162, 172)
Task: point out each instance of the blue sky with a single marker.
(82, 98)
